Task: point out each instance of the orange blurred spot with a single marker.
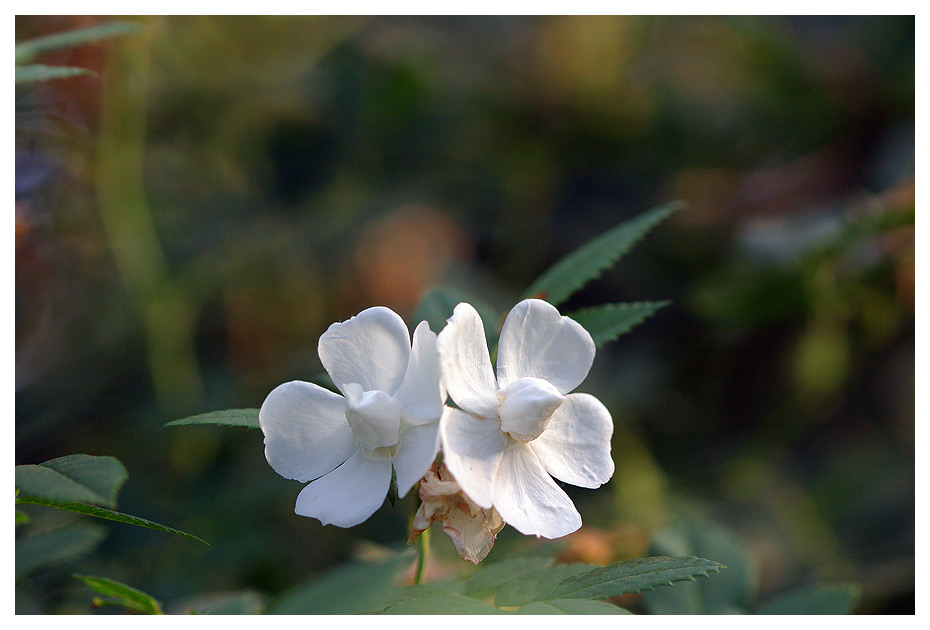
(400, 255)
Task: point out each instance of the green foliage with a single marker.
(490, 579)
(81, 483)
(527, 588)
(734, 592)
(392, 489)
(56, 546)
(532, 587)
(21, 517)
(817, 599)
(247, 418)
(236, 603)
(29, 50)
(524, 581)
(324, 380)
(572, 607)
(586, 263)
(436, 599)
(731, 593)
(353, 588)
(90, 510)
(608, 321)
(631, 576)
(120, 594)
(38, 72)
(436, 307)
(73, 478)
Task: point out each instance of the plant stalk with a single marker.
(423, 544)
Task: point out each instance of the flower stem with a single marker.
(423, 544)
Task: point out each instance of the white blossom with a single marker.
(387, 417)
(510, 433)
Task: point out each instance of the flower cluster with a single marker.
(502, 443)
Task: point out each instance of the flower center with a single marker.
(374, 416)
(526, 406)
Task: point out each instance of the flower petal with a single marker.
(471, 449)
(374, 416)
(415, 454)
(421, 393)
(529, 500)
(575, 447)
(466, 364)
(527, 404)
(371, 349)
(348, 495)
(306, 431)
(537, 341)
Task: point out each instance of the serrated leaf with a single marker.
(494, 576)
(608, 321)
(436, 307)
(338, 591)
(28, 50)
(730, 593)
(56, 546)
(572, 607)
(99, 512)
(436, 599)
(817, 599)
(631, 576)
(587, 262)
(79, 478)
(127, 596)
(527, 589)
(37, 72)
(247, 418)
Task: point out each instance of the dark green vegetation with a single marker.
(194, 214)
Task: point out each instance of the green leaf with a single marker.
(56, 546)
(631, 576)
(528, 588)
(324, 380)
(392, 489)
(572, 607)
(437, 305)
(21, 517)
(235, 603)
(28, 50)
(127, 596)
(350, 589)
(817, 599)
(79, 478)
(37, 72)
(247, 418)
(90, 510)
(436, 599)
(730, 593)
(490, 578)
(590, 260)
(608, 321)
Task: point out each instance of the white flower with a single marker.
(514, 431)
(389, 416)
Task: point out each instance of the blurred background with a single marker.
(191, 219)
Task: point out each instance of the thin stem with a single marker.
(423, 544)
(166, 315)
